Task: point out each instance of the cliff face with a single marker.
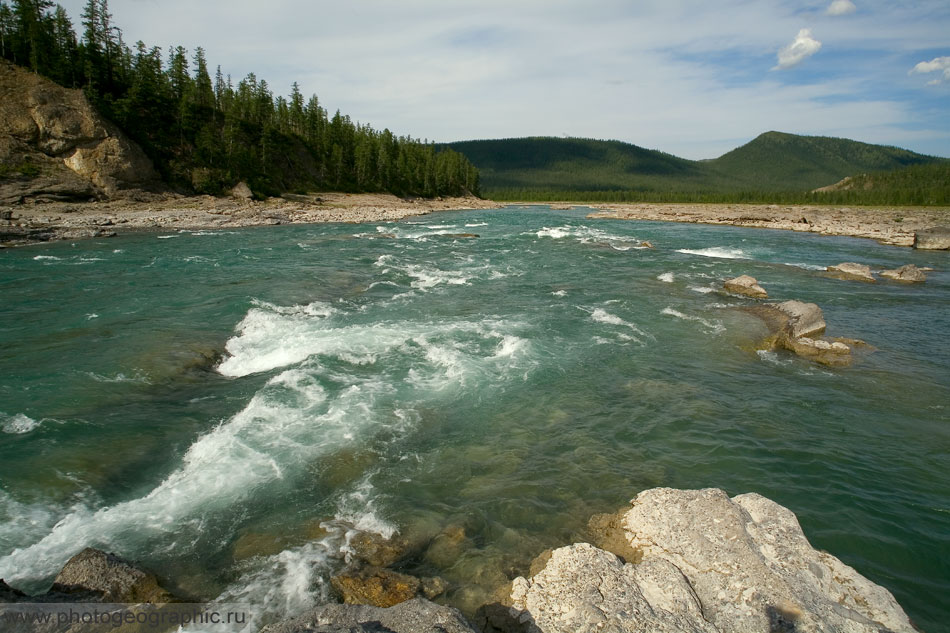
(55, 146)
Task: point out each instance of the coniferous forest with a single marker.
(205, 133)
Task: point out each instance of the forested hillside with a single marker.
(546, 163)
(776, 161)
(774, 167)
(205, 133)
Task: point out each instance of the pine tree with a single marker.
(204, 92)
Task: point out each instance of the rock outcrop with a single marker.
(414, 616)
(907, 273)
(55, 146)
(934, 239)
(708, 564)
(850, 271)
(746, 285)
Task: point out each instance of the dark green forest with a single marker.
(774, 168)
(203, 132)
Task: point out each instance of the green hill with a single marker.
(545, 163)
(773, 167)
(776, 161)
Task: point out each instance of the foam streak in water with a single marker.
(720, 252)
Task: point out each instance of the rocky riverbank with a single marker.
(897, 226)
(676, 561)
(23, 224)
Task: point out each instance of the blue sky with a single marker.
(692, 78)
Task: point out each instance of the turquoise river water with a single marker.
(228, 407)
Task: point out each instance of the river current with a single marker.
(228, 407)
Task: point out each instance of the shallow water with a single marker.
(189, 399)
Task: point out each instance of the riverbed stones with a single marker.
(851, 271)
(907, 273)
(414, 616)
(935, 238)
(710, 564)
(747, 286)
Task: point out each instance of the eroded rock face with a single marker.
(746, 285)
(907, 273)
(709, 563)
(414, 616)
(936, 238)
(55, 146)
(850, 271)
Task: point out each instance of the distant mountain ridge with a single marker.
(772, 162)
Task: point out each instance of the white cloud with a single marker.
(841, 7)
(937, 64)
(801, 48)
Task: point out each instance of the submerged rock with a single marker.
(710, 564)
(907, 273)
(850, 271)
(936, 238)
(746, 285)
(378, 551)
(414, 616)
(376, 586)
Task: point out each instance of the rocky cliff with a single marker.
(55, 146)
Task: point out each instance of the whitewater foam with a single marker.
(714, 328)
(290, 422)
(602, 316)
(666, 277)
(720, 252)
(18, 424)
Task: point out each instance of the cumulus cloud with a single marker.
(841, 7)
(937, 64)
(801, 48)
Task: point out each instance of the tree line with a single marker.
(206, 133)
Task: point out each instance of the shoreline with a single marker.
(893, 226)
(31, 224)
(51, 221)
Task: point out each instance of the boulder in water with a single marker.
(850, 271)
(95, 576)
(376, 586)
(907, 273)
(746, 285)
